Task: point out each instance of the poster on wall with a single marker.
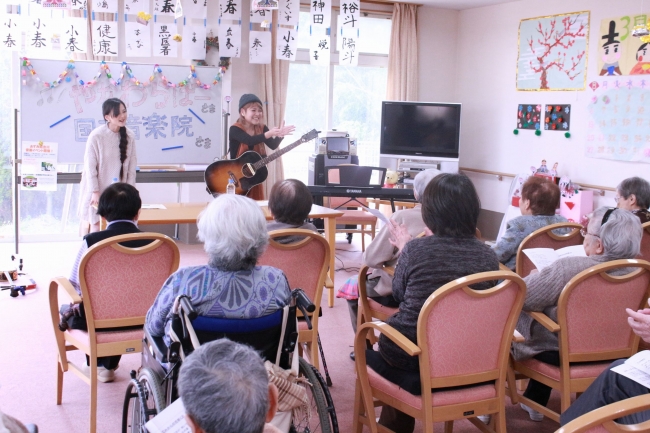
(38, 168)
(528, 116)
(618, 126)
(557, 117)
(619, 53)
(553, 52)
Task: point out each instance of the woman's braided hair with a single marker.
(112, 106)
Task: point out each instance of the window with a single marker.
(338, 97)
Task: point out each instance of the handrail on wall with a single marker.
(600, 190)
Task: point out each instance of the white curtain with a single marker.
(403, 54)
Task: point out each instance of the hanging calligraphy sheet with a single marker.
(286, 44)
(163, 44)
(135, 6)
(229, 40)
(74, 35)
(164, 7)
(289, 12)
(259, 47)
(349, 14)
(105, 6)
(38, 35)
(319, 51)
(230, 9)
(138, 39)
(194, 42)
(11, 32)
(320, 12)
(348, 55)
(618, 126)
(78, 5)
(619, 53)
(105, 38)
(261, 15)
(553, 52)
(195, 9)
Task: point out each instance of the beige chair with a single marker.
(475, 359)
(545, 238)
(118, 286)
(592, 330)
(603, 420)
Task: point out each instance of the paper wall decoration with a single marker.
(162, 42)
(105, 6)
(349, 14)
(287, 44)
(619, 53)
(229, 40)
(105, 38)
(194, 42)
(138, 39)
(320, 12)
(553, 52)
(230, 10)
(10, 32)
(319, 50)
(78, 5)
(195, 9)
(348, 55)
(289, 12)
(74, 35)
(38, 35)
(557, 117)
(529, 116)
(164, 7)
(135, 6)
(265, 4)
(55, 4)
(261, 15)
(618, 126)
(38, 168)
(259, 47)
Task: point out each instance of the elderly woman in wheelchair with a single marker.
(230, 297)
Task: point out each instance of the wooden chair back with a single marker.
(545, 238)
(645, 242)
(603, 420)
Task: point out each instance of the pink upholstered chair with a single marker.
(369, 309)
(305, 264)
(463, 339)
(592, 329)
(545, 238)
(602, 420)
(118, 286)
(645, 242)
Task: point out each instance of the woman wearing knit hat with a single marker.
(250, 133)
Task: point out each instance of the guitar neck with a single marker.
(278, 153)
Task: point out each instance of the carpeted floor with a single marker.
(28, 365)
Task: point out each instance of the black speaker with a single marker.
(317, 164)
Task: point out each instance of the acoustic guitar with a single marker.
(246, 171)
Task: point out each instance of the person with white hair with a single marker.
(225, 388)
(231, 285)
(611, 234)
(380, 252)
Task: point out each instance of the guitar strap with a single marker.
(259, 147)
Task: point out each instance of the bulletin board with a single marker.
(175, 119)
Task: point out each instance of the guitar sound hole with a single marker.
(246, 171)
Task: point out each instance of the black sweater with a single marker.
(237, 136)
(425, 265)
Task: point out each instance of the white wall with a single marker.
(486, 73)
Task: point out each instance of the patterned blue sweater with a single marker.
(215, 293)
(516, 230)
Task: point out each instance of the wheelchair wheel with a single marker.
(322, 416)
(144, 399)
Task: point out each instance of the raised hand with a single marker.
(286, 130)
(399, 235)
(639, 321)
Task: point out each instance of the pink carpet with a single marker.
(28, 367)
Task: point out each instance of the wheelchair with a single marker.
(275, 336)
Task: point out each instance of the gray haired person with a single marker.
(611, 234)
(633, 194)
(225, 389)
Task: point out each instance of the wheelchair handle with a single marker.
(187, 307)
(303, 301)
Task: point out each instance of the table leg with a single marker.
(330, 235)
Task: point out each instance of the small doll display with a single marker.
(391, 179)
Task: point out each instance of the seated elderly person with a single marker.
(611, 234)
(633, 194)
(290, 203)
(225, 389)
(450, 209)
(610, 386)
(539, 199)
(233, 229)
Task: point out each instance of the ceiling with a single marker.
(462, 4)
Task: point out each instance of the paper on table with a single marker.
(153, 206)
(170, 420)
(542, 257)
(378, 214)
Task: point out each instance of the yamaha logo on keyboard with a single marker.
(358, 191)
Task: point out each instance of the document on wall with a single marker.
(170, 420)
(636, 368)
(542, 257)
(38, 168)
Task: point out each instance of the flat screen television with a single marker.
(420, 130)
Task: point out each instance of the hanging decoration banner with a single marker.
(105, 6)
(259, 47)
(164, 7)
(105, 38)
(194, 42)
(320, 13)
(229, 40)
(10, 32)
(38, 35)
(163, 43)
(38, 167)
(230, 10)
(135, 6)
(319, 52)
(289, 12)
(261, 15)
(287, 44)
(348, 55)
(74, 35)
(349, 15)
(138, 39)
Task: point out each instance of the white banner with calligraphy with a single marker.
(74, 35)
(349, 14)
(229, 39)
(230, 9)
(320, 13)
(259, 47)
(105, 38)
(38, 167)
(10, 32)
(319, 49)
(135, 6)
(164, 7)
(289, 12)
(195, 9)
(162, 42)
(105, 6)
(348, 55)
(261, 15)
(194, 42)
(38, 35)
(138, 39)
(287, 44)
